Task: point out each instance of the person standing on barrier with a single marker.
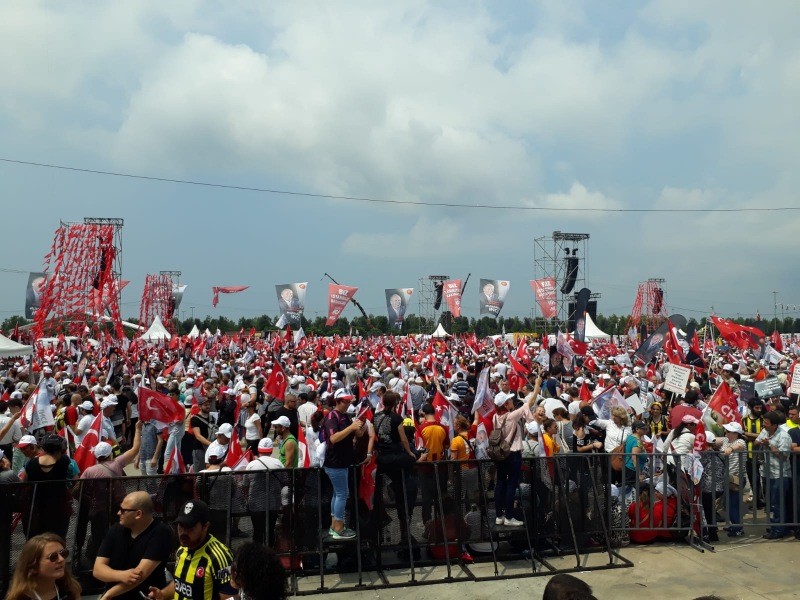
(506, 420)
(203, 563)
(777, 443)
(713, 483)
(733, 447)
(752, 425)
(617, 430)
(635, 457)
(135, 551)
(340, 434)
(394, 459)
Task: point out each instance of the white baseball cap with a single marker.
(87, 405)
(265, 446)
(283, 421)
(343, 394)
(225, 429)
(109, 401)
(26, 440)
(102, 450)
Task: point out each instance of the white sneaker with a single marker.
(512, 523)
(499, 521)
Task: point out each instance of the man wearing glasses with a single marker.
(135, 551)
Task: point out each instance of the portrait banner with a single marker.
(397, 300)
(33, 293)
(291, 302)
(492, 296)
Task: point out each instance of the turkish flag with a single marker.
(276, 384)
(519, 367)
(154, 406)
(84, 455)
(235, 453)
(304, 460)
(777, 341)
(366, 485)
(584, 393)
(738, 336)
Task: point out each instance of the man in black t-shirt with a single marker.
(289, 410)
(135, 551)
(199, 426)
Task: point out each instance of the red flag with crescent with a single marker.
(276, 384)
(154, 406)
(84, 455)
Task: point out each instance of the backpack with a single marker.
(499, 449)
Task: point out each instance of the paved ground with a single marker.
(750, 568)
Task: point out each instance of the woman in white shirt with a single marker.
(617, 430)
(507, 420)
(252, 427)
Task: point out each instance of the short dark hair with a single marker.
(775, 417)
(567, 587)
(390, 400)
(427, 409)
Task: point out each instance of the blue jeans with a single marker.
(777, 503)
(734, 510)
(505, 487)
(338, 479)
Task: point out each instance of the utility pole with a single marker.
(775, 304)
(192, 307)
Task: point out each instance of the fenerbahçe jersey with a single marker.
(204, 573)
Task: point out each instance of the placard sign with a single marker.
(795, 387)
(769, 388)
(676, 378)
(635, 403)
(747, 390)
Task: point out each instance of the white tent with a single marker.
(10, 348)
(440, 332)
(157, 332)
(593, 331)
(195, 332)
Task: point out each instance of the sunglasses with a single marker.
(53, 556)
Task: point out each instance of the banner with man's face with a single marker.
(291, 302)
(177, 297)
(33, 294)
(397, 300)
(451, 290)
(493, 294)
(545, 291)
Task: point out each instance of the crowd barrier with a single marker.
(575, 509)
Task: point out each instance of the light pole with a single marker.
(775, 304)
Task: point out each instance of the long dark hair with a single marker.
(258, 572)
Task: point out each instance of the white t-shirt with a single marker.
(305, 412)
(84, 424)
(251, 429)
(263, 462)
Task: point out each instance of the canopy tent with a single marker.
(593, 331)
(9, 348)
(157, 332)
(440, 332)
(195, 332)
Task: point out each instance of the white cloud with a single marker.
(578, 197)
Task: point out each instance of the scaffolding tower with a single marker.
(429, 309)
(649, 308)
(82, 287)
(551, 256)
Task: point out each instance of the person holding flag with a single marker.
(506, 420)
(340, 434)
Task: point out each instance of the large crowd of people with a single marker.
(272, 428)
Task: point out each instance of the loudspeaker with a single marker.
(571, 275)
(446, 319)
(658, 300)
(438, 286)
(591, 308)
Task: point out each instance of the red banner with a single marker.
(545, 292)
(724, 403)
(451, 290)
(231, 289)
(338, 297)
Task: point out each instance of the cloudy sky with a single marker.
(555, 104)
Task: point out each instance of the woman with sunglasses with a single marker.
(42, 573)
